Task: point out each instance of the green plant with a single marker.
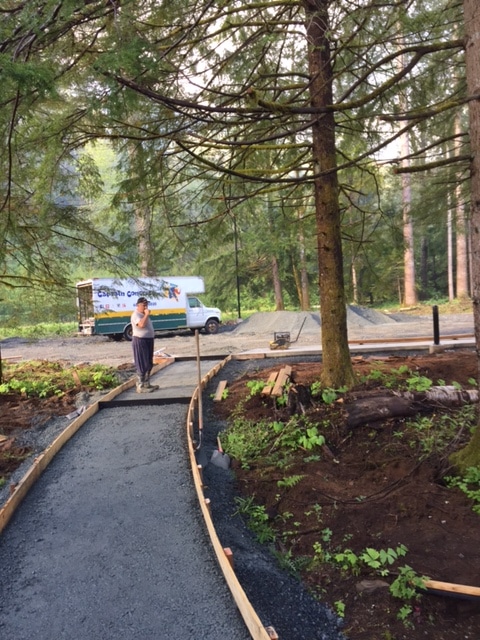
(328, 395)
(257, 518)
(311, 438)
(269, 442)
(44, 379)
(290, 481)
(407, 584)
(256, 387)
(348, 561)
(339, 608)
(40, 330)
(316, 388)
(245, 440)
(418, 383)
(404, 614)
(469, 484)
(316, 510)
(433, 434)
(380, 560)
(282, 400)
(320, 554)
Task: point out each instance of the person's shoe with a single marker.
(143, 388)
(153, 387)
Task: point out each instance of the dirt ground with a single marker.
(372, 488)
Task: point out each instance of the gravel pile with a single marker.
(269, 322)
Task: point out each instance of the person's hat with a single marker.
(142, 300)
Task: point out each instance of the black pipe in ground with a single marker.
(436, 325)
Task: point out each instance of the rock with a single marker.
(370, 586)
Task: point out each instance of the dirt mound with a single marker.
(269, 322)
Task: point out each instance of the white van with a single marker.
(106, 304)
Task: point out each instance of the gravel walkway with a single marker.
(109, 544)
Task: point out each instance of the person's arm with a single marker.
(142, 321)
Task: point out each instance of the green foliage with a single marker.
(380, 560)
(256, 387)
(339, 608)
(369, 558)
(311, 438)
(407, 584)
(290, 481)
(469, 484)
(256, 517)
(245, 440)
(418, 383)
(44, 379)
(328, 395)
(40, 330)
(270, 442)
(434, 433)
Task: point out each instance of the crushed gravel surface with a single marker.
(109, 543)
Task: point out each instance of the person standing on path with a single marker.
(143, 336)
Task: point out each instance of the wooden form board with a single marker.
(222, 385)
(449, 588)
(272, 378)
(282, 378)
(224, 559)
(276, 381)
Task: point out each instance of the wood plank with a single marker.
(267, 389)
(453, 589)
(282, 379)
(222, 385)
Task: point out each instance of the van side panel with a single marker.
(105, 305)
(114, 322)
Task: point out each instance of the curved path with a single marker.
(109, 543)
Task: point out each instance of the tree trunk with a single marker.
(143, 221)
(470, 455)
(410, 293)
(277, 286)
(462, 290)
(424, 267)
(353, 269)
(451, 290)
(337, 365)
(304, 288)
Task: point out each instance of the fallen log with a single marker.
(405, 404)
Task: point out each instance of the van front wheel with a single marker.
(127, 333)
(211, 326)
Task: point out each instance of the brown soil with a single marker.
(25, 421)
(19, 414)
(373, 487)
